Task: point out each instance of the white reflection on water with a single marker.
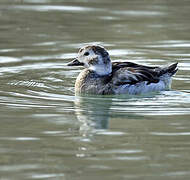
(20, 138)
(185, 66)
(37, 66)
(52, 8)
(44, 176)
(19, 167)
(122, 52)
(139, 13)
(6, 59)
(171, 45)
(170, 134)
(37, 1)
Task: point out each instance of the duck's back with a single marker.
(131, 78)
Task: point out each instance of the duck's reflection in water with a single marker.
(92, 113)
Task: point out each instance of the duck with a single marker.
(101, 76)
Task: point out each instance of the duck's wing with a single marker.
(132, 73)
(118, 65)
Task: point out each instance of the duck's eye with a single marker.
(86, 53)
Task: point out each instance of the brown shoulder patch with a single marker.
(131, 69)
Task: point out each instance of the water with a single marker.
(48, 133)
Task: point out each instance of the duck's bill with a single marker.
(75, 62)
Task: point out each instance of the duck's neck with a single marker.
(101, 70)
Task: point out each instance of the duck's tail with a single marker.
(171, 69)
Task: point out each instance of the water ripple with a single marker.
(53, 8)
(45, 176)
(170, 134)
(6, 59)
(139, 13)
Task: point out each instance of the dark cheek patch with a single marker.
(101, 51)
(106, 60)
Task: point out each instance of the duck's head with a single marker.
(95, 58)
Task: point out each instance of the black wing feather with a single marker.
(138, 73)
